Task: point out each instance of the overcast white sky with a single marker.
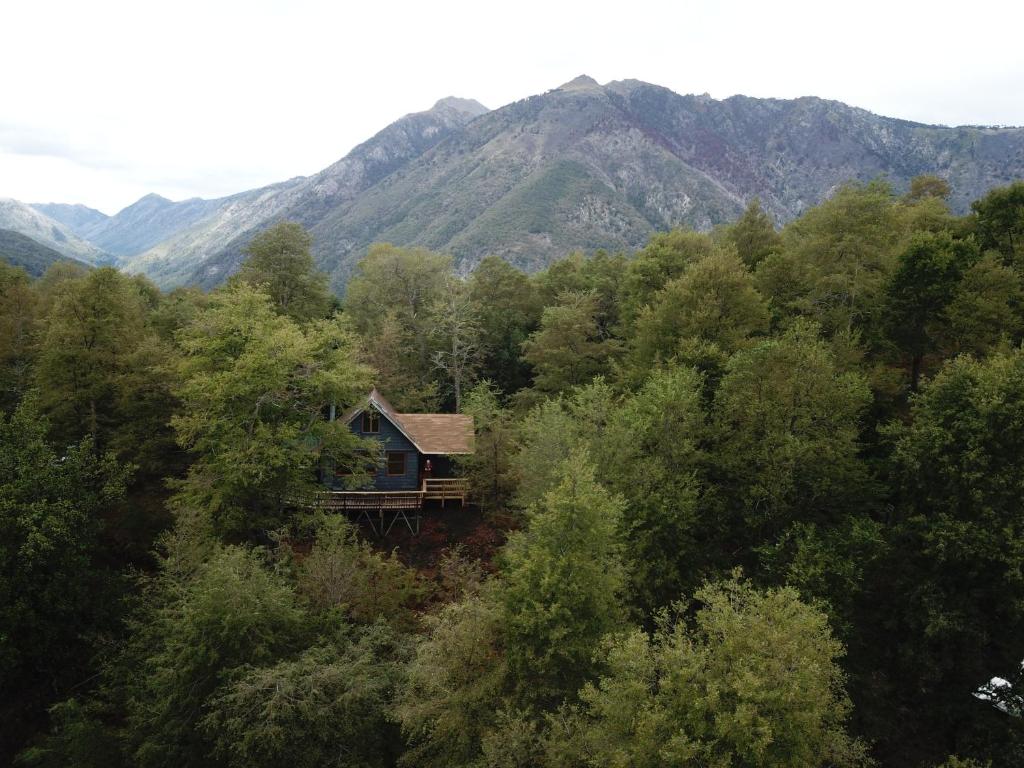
(104, 101)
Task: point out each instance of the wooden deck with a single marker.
(444, 488)
(382, 509)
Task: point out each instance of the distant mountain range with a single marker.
(582, 166)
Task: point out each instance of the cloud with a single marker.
(114, 98)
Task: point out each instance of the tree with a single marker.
(456, 329)
(231, 614)
(489, 466)
(985, 307)
(754, 682)
(509, 311)
(753, 235)
(253, 389)
(925, 186)
(400, 287)
(563, 581)
(102, 371)
(653, 458)
(568, 349)
(18, 320)
(786, 433)
(999, 221)
(454, 683)
(714, 300)
(955, 596)
(329, 706)
(279, 261)
(665, 257)
(921, 287)
(57, 597)
(847, 248)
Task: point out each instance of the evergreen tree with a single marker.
(279, 262)
(562, 591)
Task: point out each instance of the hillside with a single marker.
(80, 219)
(589, 166)
(185, 257)
(28, 221)
(583, 166)
(20, 251)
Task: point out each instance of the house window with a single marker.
(371, 422)
(396, 463)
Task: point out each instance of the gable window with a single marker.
(396, 463)
(371, 422)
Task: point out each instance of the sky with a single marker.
(105, 101)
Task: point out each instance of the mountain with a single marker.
(587, 166)
(184, 257)
(583, 166)
(20, 251)
(80, 219)
(22, 218)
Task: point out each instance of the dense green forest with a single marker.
(744, 498)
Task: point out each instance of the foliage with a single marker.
(280, 264)
(57, 598)
(563, 582)
(328, 706)
(454, 683)
(253, 388)
(568, 349)
(754, 682)
(786, 433)
(489, 466)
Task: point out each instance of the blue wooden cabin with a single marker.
(408, 442)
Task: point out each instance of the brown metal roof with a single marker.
(431, 433)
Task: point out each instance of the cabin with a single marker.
(418, 448)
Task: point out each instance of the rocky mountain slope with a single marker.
(588, 166)
(582, 166)
(80, 219)
(20, 251)
(186, 256)
(26, 220)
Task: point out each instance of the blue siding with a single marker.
(392, 439)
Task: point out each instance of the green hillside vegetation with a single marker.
(745, 498)
(20, 251)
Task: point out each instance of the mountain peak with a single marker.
(579, 83)
(470, 106)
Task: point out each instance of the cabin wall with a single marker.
(392, 439)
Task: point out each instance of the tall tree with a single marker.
(954, 597)
(456, 333)
(568, 349)
(394, 291)
(278, 259)
(754, 682)
(753, 235)
(254, 386)
(999, 221)
(786, 433)
(509, 311)
(653, 457)
(713, 301)
(18, 320)
(563, 581)
(919, 290)
(489, 466)
(57, 598)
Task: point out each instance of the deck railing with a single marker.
(444, 488)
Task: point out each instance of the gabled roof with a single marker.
(431, 433)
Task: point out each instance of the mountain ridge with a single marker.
(583, 165)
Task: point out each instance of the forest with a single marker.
(741, 499)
